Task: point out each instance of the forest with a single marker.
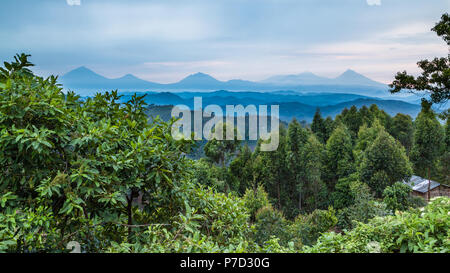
(98, 172)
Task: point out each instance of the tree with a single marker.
(85, 162)
(221, 151)
(403, 130)
(255, 199)
(383, 163)
(241, 168)
(397, 197)
(353, 121)
(296, 184)
(363, 205)
(366, 136)
(318, 126)
(444, 162)
(315, 190)
(270, 169)
(329, 128)
(339, 157)
(428, 142)
(435, 77)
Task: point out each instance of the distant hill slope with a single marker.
(305, 112)
(86, 82)
(301, 111)
(223, 97)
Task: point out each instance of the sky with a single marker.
(166, 40)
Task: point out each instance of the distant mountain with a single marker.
(198, 80)
(351, 77)
(86, 82)
(306, 78)
(348, 78)
(300, 106)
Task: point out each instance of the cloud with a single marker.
(374, 2)
(73, 2)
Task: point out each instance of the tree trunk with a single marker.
(429, 185)
(130, 215)
(279, 195)
(299, 201)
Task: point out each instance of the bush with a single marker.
(307, 228)
(255, 200)
(270, 222)
(417, 230)
(397, 197)
(364, 207)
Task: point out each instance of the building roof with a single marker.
(420, 184)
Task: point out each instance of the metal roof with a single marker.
(420, 184)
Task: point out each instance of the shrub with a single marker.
(417, 230)
(307, 228)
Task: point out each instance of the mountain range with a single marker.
(86, 82)
(300, 106)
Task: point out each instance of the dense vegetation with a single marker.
(97, 172)
(101, 173)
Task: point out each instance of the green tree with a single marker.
(339, 157)
(316, 191)
(295, 183)
(220, 152)
(318, 127)
(435, 76)
(403, 130)
(396, 196)
(270, 169)
(241, 168)
(383, 163)
(428, 142)
(329, 128)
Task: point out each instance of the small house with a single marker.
(420, 187)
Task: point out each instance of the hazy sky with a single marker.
(250, 39)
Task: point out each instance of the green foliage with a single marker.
(428, 141)
(339, 157)
(270, 222)
(383, 163)
(363, 206)
(435, 73)
(254, 200)
(424, 230)
(403, 130)
(207, 174)
(307, 228)
(99, 172)
(241, 169)
(318, 127)
(315, 190)
(397, 196)
(343, 196)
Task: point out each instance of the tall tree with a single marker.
(270, 168)
(435, 77)
(339, 156)
(329, 125)
(297, 137)
(241, 168)
(383, 163)
(403, 130)
(315, 190)
(318, 126)
(428, 142)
